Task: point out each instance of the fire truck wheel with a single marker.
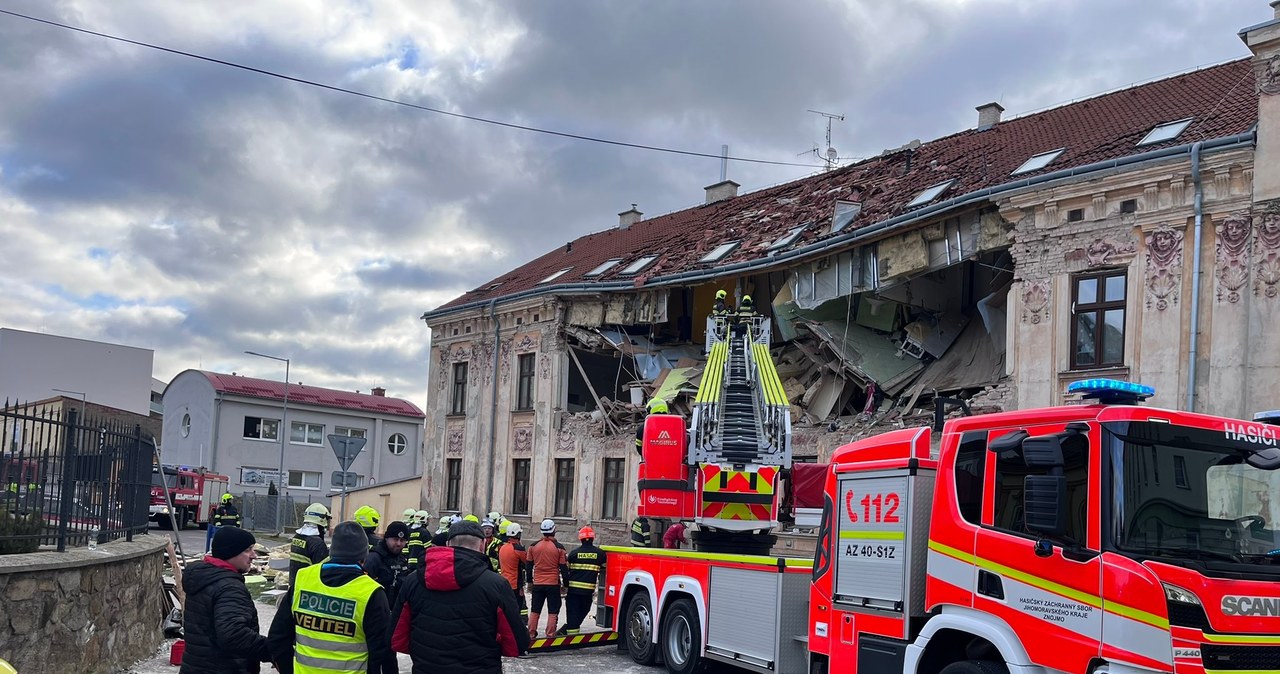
(975, 667)
(182, 516)
(681, 638)
(639, 630)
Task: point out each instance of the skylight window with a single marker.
(846, 211)
(638, 265)
(1165, 132)
(494, 286)
(720, 252)
(1038, 161)
(604, 267)
(788, 238)
(555, 276)
(930, 194)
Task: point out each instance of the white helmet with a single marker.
(316, 514)
(454, 519)
(488, 523)
(513, 530)
(548, 527)
(494, 516)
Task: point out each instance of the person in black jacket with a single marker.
(347, 553)
(455, 615)
(385, 562)
(220, 621)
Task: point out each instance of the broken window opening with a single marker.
(606, 377)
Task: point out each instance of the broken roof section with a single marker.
(1220, 101)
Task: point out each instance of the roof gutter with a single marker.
(876, 230)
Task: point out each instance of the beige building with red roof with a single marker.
(1131, 235)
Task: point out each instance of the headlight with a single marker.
(1175, 593)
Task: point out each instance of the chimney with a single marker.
(628, 218)
(725, 189)
(989, 115)
(378, 391)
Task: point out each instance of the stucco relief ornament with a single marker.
(1267, 75)
(1035, 302)
(1100, 252)
(506, 360)
(526, 343)
(1266, 250)
(1232, 248)
(453, 444)
(566, 443)
(484, 360)
(523, 440)
(544, 366)
(442, 367)
(1164, 267)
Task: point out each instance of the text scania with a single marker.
(1266, 436)
(1264, 607)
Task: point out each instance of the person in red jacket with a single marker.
(454, 614)
(674, 536)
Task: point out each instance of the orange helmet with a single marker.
(585, 533)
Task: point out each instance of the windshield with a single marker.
(1187, 493)
(171, 478)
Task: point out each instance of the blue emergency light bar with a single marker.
(1269, 417)
(1111, 391)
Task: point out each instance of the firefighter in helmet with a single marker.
(745, 317)
(585, 564)
(656, 406)
(419, 539)
(308, 546)
(721, 313)
(368, 519)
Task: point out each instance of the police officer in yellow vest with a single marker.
(335, 618)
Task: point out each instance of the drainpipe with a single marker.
(1195, 277)
(493, 407)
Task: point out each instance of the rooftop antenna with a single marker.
(830, 156)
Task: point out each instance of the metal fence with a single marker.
(65, 477)
(258, 510)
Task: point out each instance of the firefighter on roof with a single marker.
(585, 564)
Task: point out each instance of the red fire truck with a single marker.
(1100, 537)
(195, 495)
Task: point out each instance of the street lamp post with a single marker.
(283, 432)
(77, 393)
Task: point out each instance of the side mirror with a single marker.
(1043, 497)
(1044, 451)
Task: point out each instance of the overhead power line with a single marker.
(353, 92)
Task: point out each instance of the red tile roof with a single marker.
(311, 395)
(1220, 99)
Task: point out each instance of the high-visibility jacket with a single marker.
(491, 549)
(305, 550)
(329, 623)
(419, 539)
(226, 516)
(641, 534)
(585, 563)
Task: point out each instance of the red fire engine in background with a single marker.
(1099, 537)
(195, 494)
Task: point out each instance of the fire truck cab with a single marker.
(194, 494)
(1099, 537)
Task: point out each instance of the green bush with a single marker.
(15, 524)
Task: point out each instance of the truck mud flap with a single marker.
(573, 641)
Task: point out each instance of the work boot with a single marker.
(551, 623)
(533, 625)
(563, 631)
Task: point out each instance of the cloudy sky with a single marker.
(199, 210)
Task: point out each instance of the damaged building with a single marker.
(990, 268)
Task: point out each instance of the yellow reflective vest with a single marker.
(330, 623)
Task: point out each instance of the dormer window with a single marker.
(846, 211)
(1039, 161)
(1165, 132)
(556, 275)
(719, 252)
(930, 194)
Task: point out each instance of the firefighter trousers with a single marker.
(549, 594)
(576, 604)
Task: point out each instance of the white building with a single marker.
(34, 366)
(232, 425)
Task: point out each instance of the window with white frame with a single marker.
(303, 433)
(260, 428)
(930, 194)
(304, 479)
(638, 266)
(556, 275)
(349, 432)
(604, 267)
(397, 443)
(719, 252)
(787, 239)
(1039, 161)
(846, 211)
(1164, 132)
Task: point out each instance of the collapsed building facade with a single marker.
(1134, 235)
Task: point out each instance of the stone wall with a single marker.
(83, 610)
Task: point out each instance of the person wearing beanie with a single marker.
(335, 617)
(219, 619)
(548, 572)
(385, 562)
(454, 614)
